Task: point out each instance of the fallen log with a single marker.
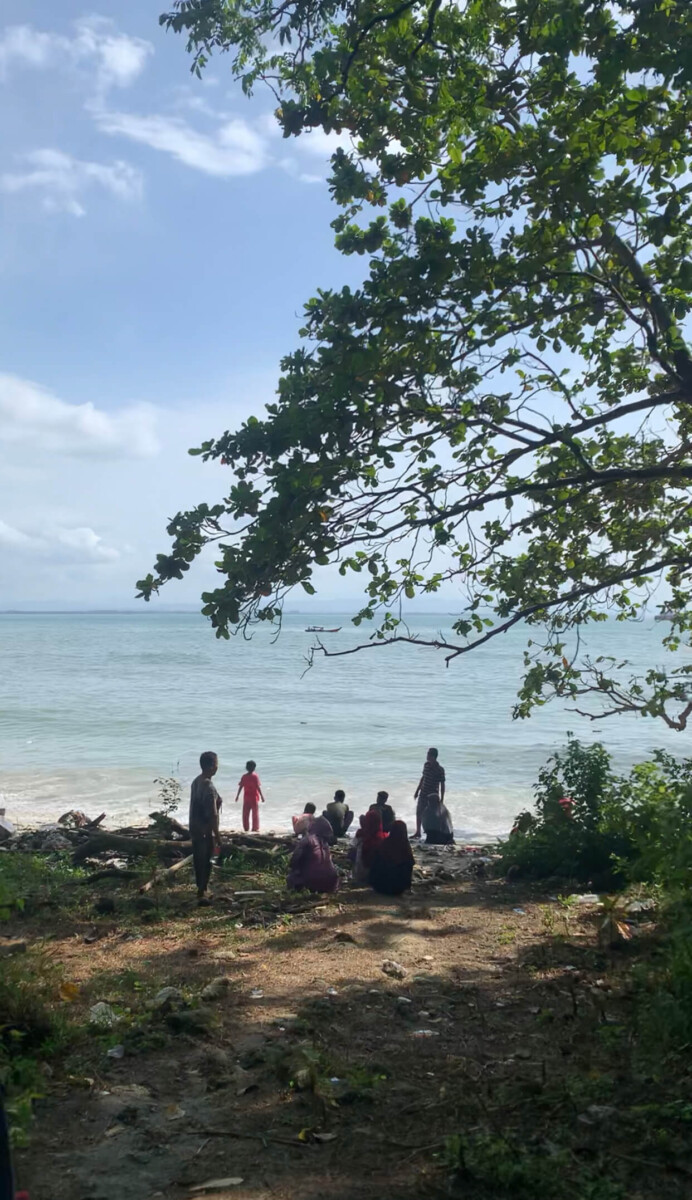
(110, 873)
(167, 873)
(128, 847)
(96, 822)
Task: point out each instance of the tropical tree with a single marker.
(505, 403)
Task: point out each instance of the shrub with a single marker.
(593, 827)
(28, 881)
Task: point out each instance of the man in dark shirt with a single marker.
(205, 803)
(339, 814)
(432, 780)
(386, 811)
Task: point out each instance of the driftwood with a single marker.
(110, 873)
(96, 822)
(128, 847)
(167, 873)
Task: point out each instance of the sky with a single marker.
(159, 239)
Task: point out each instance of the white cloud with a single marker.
(82, 545)
(62, 180)
(112, 59)
(31, 414)
(234, 148)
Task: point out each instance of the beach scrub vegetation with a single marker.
(502, 409)
(595, 828)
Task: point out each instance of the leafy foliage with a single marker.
(504, 404)
(615, 829)
(28, 881)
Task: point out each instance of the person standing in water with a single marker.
(205, 803)
(431, 780)
(251, 788)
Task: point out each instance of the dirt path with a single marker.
(315, 1073)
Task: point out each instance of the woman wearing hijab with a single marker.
(368, 839)
(312, 868)
(437, 823)
(392, 865)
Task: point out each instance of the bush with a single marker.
(28, 881)
(33, 1026)
(593, 827)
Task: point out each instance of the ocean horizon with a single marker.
(94, 706)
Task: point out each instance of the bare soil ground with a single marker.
(314, 1073)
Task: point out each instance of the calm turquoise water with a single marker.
(94, 707)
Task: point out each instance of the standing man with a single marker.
(205, 803)
(432, 780)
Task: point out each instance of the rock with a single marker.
(102, 1015)
(217, 1060)
(6, 827)
(195, 1021)
(394, 969)
(344, 937)
(217, 989)
(54, 841)
(165, 1000)
(403, 1002)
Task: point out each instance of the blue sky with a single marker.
(159, 241)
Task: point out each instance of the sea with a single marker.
(95, 707)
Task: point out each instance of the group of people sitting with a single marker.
(381, 855)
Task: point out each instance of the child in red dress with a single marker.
(251, 788)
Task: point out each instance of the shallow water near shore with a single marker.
(93, 707)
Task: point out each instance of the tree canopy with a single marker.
(506, 400)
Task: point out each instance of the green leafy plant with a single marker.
(28, 881)
(170, 796)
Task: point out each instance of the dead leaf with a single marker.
(213, 1185)
(174, 1112)
(69, 992)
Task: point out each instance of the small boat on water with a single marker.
(321, 629)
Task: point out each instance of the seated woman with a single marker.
(302, 823)
(368, 839)
(392, 865)
(312, 868)
(437, 823)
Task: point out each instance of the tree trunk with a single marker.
(128, 847)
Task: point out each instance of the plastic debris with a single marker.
(257, 993)
(426, 1033)
(6, 827)
(519, 911)
(116, 1052)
